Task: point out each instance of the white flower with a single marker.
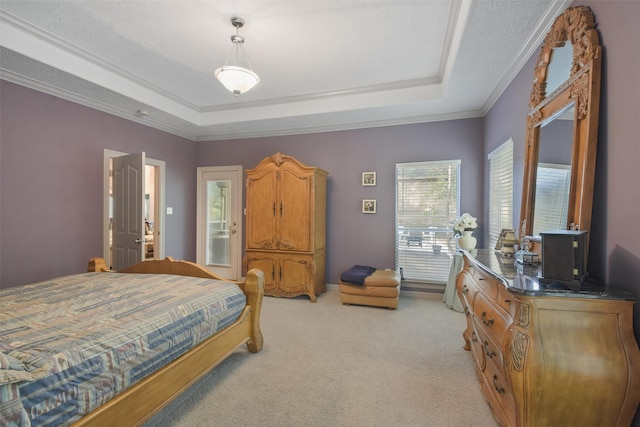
(466, 222)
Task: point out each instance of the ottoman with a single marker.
(380, 289)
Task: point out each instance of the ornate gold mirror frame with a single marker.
(582, 90)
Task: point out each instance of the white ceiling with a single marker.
(323, 64)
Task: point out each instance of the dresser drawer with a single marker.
(491, 349)
(497, 392)
(485, 281)
(490, 317)
(477, 350)
(506, 300)
(467, 287)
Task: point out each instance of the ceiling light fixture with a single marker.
(234, 77)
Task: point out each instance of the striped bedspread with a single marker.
(70, 344)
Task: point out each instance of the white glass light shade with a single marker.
(236, 79)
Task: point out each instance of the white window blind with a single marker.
(427, 201)
(500, 191)
(552, 190)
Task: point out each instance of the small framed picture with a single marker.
(368, 179)
(368, 206)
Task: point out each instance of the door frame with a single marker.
(236, 200)
(160, 219)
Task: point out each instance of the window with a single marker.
(552, 190)
(427, 201)
(500, 191)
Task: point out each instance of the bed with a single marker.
(113, 348)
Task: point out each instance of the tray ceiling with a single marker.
(324, 65)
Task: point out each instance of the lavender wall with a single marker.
(51, 175)
(508, 119)
(354, 237)
(51, 217)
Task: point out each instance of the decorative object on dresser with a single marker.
(547, 355)
(564, 257)
(286, 226)
(502, 236)
(463, 227)
(508, 243)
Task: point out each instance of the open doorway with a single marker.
(150, 211)
(152, 240)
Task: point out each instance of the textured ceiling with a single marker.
(324, 65)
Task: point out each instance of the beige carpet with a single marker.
(326, 364)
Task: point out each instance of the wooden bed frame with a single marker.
(137, 404)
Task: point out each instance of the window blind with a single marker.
(427, 201)
(500, 191)
(552, 191)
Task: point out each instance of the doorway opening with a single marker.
(152, 210)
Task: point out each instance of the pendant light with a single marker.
(232, 75)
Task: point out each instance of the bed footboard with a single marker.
(253, 288)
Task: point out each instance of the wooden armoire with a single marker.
(286, 226)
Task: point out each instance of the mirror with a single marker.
(562, 128)
(553, 174)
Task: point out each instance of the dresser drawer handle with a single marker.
(484, 319)
(465, 289)
(496, 386)
(474, 338)
(489, 354)
(507, 300)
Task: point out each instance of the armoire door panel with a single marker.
(266, 263)
(295, 274)
(261, 211)
(294, 210)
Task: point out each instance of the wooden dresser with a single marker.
(286, 226)
(548, 356)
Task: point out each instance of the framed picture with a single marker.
(368, 206)
(368, 179)
(503, 233)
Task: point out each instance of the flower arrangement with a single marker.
(466, 222)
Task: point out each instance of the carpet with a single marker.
(326, 364)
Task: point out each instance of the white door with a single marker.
(219, 205)
(128, 210)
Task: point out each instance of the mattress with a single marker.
(70, 344)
